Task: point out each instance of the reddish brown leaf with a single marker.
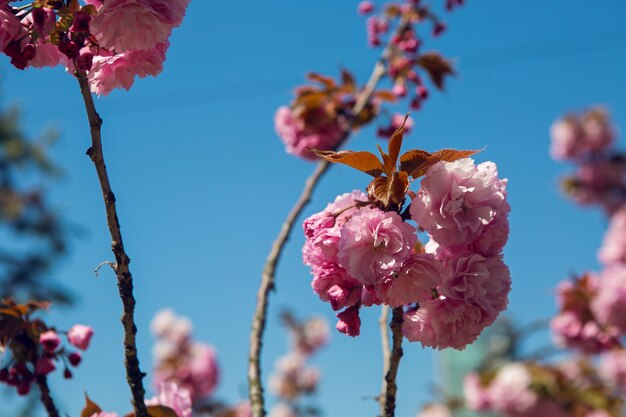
(448, 155)
(327, 82)
(90, 409)
(363, 161)
(348, 80)
(388, 165)
(436, 66)
(310, 99)
(411, 160)
(395, 143)
(386, 95)
(389, 190)
(157, 411)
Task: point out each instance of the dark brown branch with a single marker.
(45, 396)
(268, 276)
(387, 397)
(134, 376)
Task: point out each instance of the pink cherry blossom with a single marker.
(569, 330)
(140, 25)
(365, 7)
(565, 135)
(282, 410)
(414, 283)
(166, 324)
(458, 200)
(510, 391)
(443, 323)
(332, 283)
(120, 70)
(483, 282)
(610, 301)
(298, 135)
(612, 368)
(477, 396)
(48, 55)
(10, 27)
(175, 397)
(613, 248)
(50, 340)
(349, 322)
(80, 336)
(435, 410)
(374, 244)
(314, 335)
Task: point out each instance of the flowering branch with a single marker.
(269, 271)
(46, 398)
(387, 397)
(134, 375)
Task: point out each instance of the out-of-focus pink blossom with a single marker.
(125, 25)
(282, 410)
(105, 414)
(80, 336)
(374, 244)
(609, 304)
(175, 397)
(320, 131)
(349, 322)
(44, 366)
(458, 200)
(166, 324)
(435, 410)
(50, 340)
(612, 368)
(120, 70)
(443, 323)
(314, 335)
(365, 7)
(477, 396)
(565, 135)
(613, 248)
(394, 124)
(414, 283)
(576, 137)
(510, 390)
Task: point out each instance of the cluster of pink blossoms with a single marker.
(26, 359)
(190, 364)
(587, 140)
(361, 255)
(293, 380)
(113, 41)
(170, 395)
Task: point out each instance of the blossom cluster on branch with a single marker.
(363, 250)
(31, 349)
(113, 41)
(323, 113)
(293, 380)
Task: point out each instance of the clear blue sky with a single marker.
(203, 183)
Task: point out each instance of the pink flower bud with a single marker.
(74, 358)
(67, 374)
(80, 335)
(365, 7)
(349, 322)
(44, 366)
(50, 340)
(439, 28)
(23, 388)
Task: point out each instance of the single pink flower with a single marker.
(443, 323)
(458, 200)
(613, 248)
(140, 25)
(120, 70)
(609, 304)
(175, 397)
(50, 340)
(375, 244)
(415, 282)
(80, 336)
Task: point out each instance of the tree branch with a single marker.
(134, 375)
(45, 396)
(268, 276)
(388, 392)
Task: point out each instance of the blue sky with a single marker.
(203, 183)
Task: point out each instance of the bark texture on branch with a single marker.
(389, 390)
(45, 396)
(134, 375)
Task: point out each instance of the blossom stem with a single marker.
(387, 397)
(134, 375)
(45, 396)
(259, 318)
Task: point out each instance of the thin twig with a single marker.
(134, 375)
(259, 319)
(45, 396)
(388, 393)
